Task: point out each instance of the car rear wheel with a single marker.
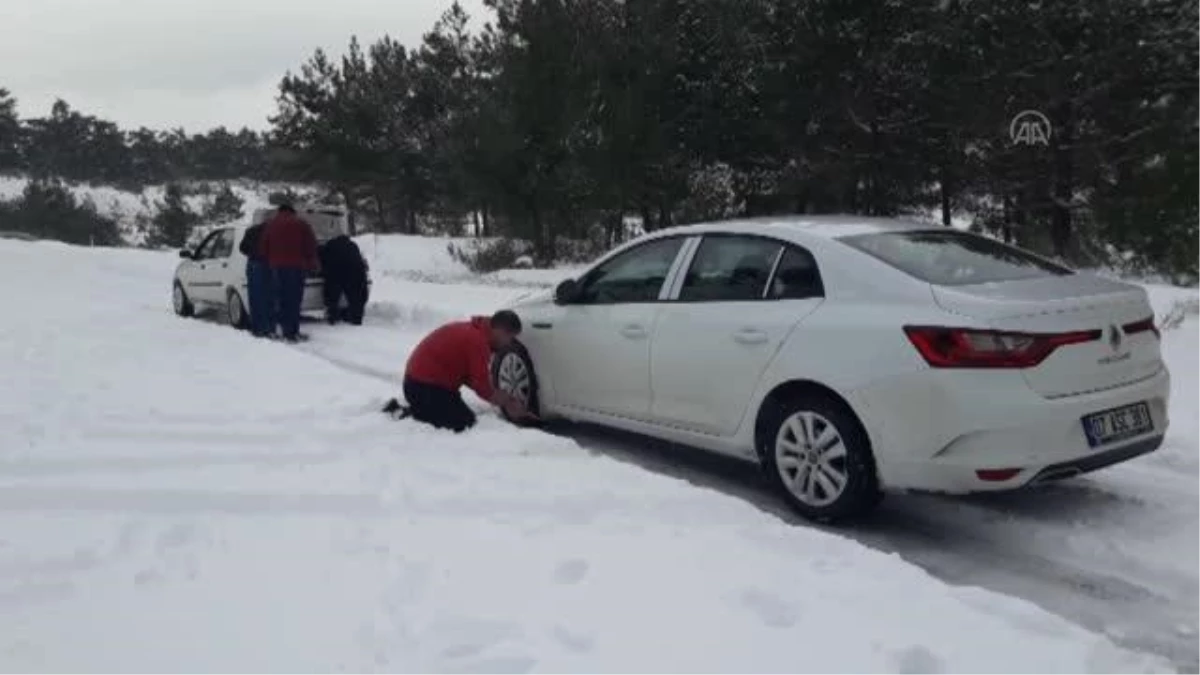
(818, 456)
(512, 373)
(179, 300)
(237, 311)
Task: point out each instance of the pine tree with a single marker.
(174, 220)
(10, 133)
(225, 207)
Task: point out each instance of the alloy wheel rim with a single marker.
(811, 457)
(177, 297)
(513, 377)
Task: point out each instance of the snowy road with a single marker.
(176, 496)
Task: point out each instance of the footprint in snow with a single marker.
(572, 640)
(571, 571)
(769, 609)
(504, 664)
(917, 659)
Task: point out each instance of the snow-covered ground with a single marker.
(175, 495)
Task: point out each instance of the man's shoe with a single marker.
(396, 410)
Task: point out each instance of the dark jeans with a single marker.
(261, 289)
(355, 291)
(441, 408)
(289, 286)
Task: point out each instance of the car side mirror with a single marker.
(185, 254)
(567, 292)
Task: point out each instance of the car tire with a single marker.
(816, 453)
(512, 373)
(235, 310)
(179, 300)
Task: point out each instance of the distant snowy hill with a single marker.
(130, 209)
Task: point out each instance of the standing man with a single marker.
(259, 284)
(290, 248)
(450, 357)
(345, 273)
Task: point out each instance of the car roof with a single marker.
(819, 226)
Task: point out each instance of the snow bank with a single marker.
(428, 260)
(177, 495)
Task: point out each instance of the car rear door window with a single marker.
(730, 268)
(796, 277)
(636, 275)
(953, 258)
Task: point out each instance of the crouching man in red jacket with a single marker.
(452, 356)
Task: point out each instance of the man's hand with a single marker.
(514, 407)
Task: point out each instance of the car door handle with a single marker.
(749, 336)
(633, 331)
(542, 325)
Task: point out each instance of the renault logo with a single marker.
(1114, 338)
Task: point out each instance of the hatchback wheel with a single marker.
(179, 300)
(237, 311)
(818, 456)
(512, 373)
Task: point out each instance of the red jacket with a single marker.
(454, 355)
(289, 242)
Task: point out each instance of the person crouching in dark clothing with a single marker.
(345, 273)
(259, 283)
(290, 248)
(457, 355)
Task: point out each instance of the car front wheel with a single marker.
(179, 300)
(818, 456)
(512, 373)
(237, 311)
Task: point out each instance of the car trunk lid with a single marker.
(1126, 348)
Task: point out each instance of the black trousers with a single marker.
(355, 290)
(441, 408)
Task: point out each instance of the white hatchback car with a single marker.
(214, 275)
(850, 356)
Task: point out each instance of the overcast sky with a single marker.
(191, 63)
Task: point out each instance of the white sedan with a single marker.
(850, 356)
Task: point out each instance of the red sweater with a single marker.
(288, 242)
(455, 355)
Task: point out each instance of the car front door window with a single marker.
(222, 244)
(632, 277)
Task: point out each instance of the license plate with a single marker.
(1118, 424)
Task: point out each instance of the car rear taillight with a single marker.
(1141, 327)
(943, 347)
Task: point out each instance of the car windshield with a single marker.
(953, 258)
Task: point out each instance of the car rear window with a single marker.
(953, 258)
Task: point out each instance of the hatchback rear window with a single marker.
(953, 258)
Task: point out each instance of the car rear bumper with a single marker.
(937, 433)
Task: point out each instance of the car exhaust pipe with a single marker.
(1058, 474)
